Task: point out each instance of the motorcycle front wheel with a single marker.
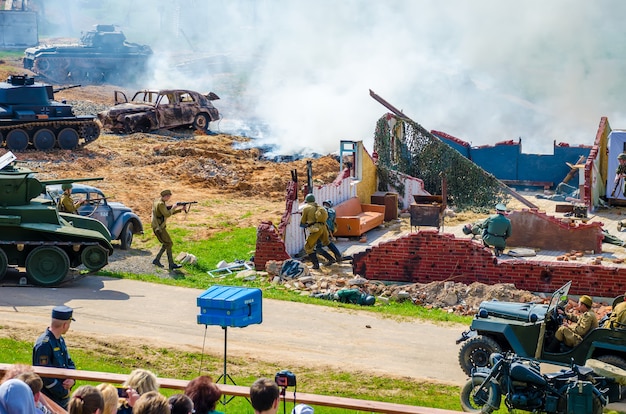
(471, 402)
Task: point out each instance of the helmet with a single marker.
(328, 202)
(310, 198)
(66, 186)
(500, 207)
(622, 156)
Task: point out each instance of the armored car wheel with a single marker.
(475, 353)
(473, 401)
(94, 257)
(47, 265)
(4, 264)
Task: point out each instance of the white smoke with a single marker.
(481, 70)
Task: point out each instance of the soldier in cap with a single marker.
(496, 229)
(66, 204)
(160, 212)
(573, 335)
(50, 351)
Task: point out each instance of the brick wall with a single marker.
(269, 245)
(428, 256)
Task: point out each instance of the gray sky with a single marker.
(481, 70)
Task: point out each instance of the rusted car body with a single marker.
(150, 110)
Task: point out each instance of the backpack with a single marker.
(321, 215)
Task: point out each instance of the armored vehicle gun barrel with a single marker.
(31, 118)
(34, 235)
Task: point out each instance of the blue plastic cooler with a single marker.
(230, 306)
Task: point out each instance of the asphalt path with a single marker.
(290, 333)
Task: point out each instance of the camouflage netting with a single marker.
(405, 146)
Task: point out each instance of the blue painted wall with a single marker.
(507, 162)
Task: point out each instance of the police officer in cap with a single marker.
(50, 351)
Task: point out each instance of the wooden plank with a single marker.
(544, 184)
(241, 391)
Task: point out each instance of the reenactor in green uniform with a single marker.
(496, 229)
(50, 351)
(160, 212)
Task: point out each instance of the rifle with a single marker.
(186, 205)
(616, 185)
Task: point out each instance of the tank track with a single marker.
(49, 134)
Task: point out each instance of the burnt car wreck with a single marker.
(150, 110)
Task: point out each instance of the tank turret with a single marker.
(103, 55)
(34, 235)
(31, 118)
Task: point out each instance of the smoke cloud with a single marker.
(297, 74)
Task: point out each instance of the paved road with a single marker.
(291, 333)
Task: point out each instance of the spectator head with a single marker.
(264, 396)
(142, 381)
(16, 398)
(180, 404)
(86, 399)
(151, 403)
(109, 395)
(34, 382)
(204, 394)
(15, 370)
(302, 409)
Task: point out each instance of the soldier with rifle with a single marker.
(160, 212)
(620, 173)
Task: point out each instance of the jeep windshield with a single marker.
(559, 295)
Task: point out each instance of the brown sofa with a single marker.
(354, 218)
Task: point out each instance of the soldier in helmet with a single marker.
(312, 220)
(66, 204)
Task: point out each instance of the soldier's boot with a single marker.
(313, 258)
(157, 259)
(170, 260)
(326, 255)
(336, 252)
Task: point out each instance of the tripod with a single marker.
(225, 375)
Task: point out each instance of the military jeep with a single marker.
(527, 328)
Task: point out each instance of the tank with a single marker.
(34, 235)
(103, 56)
(31, 118)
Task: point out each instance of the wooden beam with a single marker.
(241, 391)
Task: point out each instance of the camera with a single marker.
(285, 378)
(122, 393)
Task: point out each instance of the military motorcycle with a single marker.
(575, 390)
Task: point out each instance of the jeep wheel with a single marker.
(476, 351)
(126, 236)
